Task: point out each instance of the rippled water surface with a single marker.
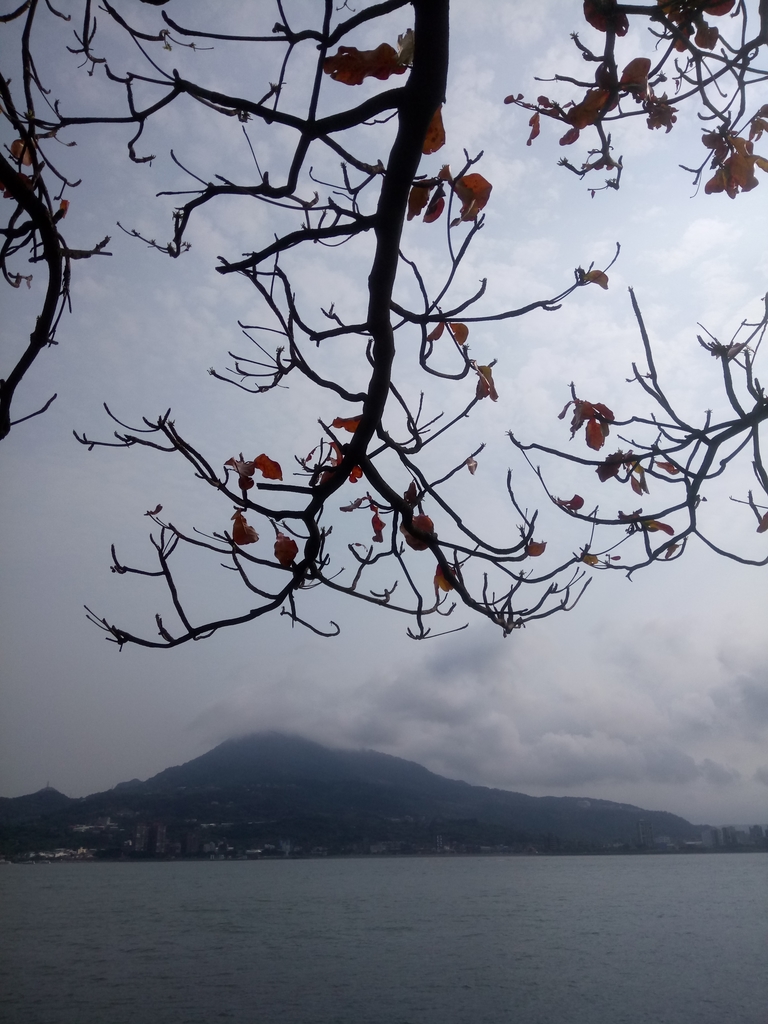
(525, 940)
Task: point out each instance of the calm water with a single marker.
(588, 940)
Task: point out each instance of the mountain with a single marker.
(311, 777)
(268, 788)
(28, 808)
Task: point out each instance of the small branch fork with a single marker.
(681, 457)
(700, 52)
(424, 558)
(31, 228)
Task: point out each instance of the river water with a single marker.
(670, 939)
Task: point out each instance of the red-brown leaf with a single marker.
(661, 113)
(738, 172)
(435, 208)
(485, 386)
(417, 200)
(378, 525)
(435, 137)
(474, 191)
(573, 505)
(352, 505)
(719, 7)
(717, 143)
(535, 126)
(742, 167)
(706, 36)
(603, 411)
(717, 183)
(460, 332)
(637, 479)
(588, 111)
(570, 137)
(602, 15)
(596, 416)
(595, 434)
(20, 151)
(350, 423)
(652, 525)
(286, 549)
(441, 580)
(352, 66)
(244, 470)
(422, 523)
(611, 467)
(242, 533)
(270, 470)
(597, 277)
(634, 77)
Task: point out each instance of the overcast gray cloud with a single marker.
(652, 692)
(525, 716)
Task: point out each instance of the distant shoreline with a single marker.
(40, 861)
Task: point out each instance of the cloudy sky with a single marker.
(653, 691)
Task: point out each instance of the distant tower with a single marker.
(729, 835)
(710, 838)
(644, 834)
(157, 839)
(140, 838)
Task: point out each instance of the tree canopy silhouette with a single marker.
(415, 551)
